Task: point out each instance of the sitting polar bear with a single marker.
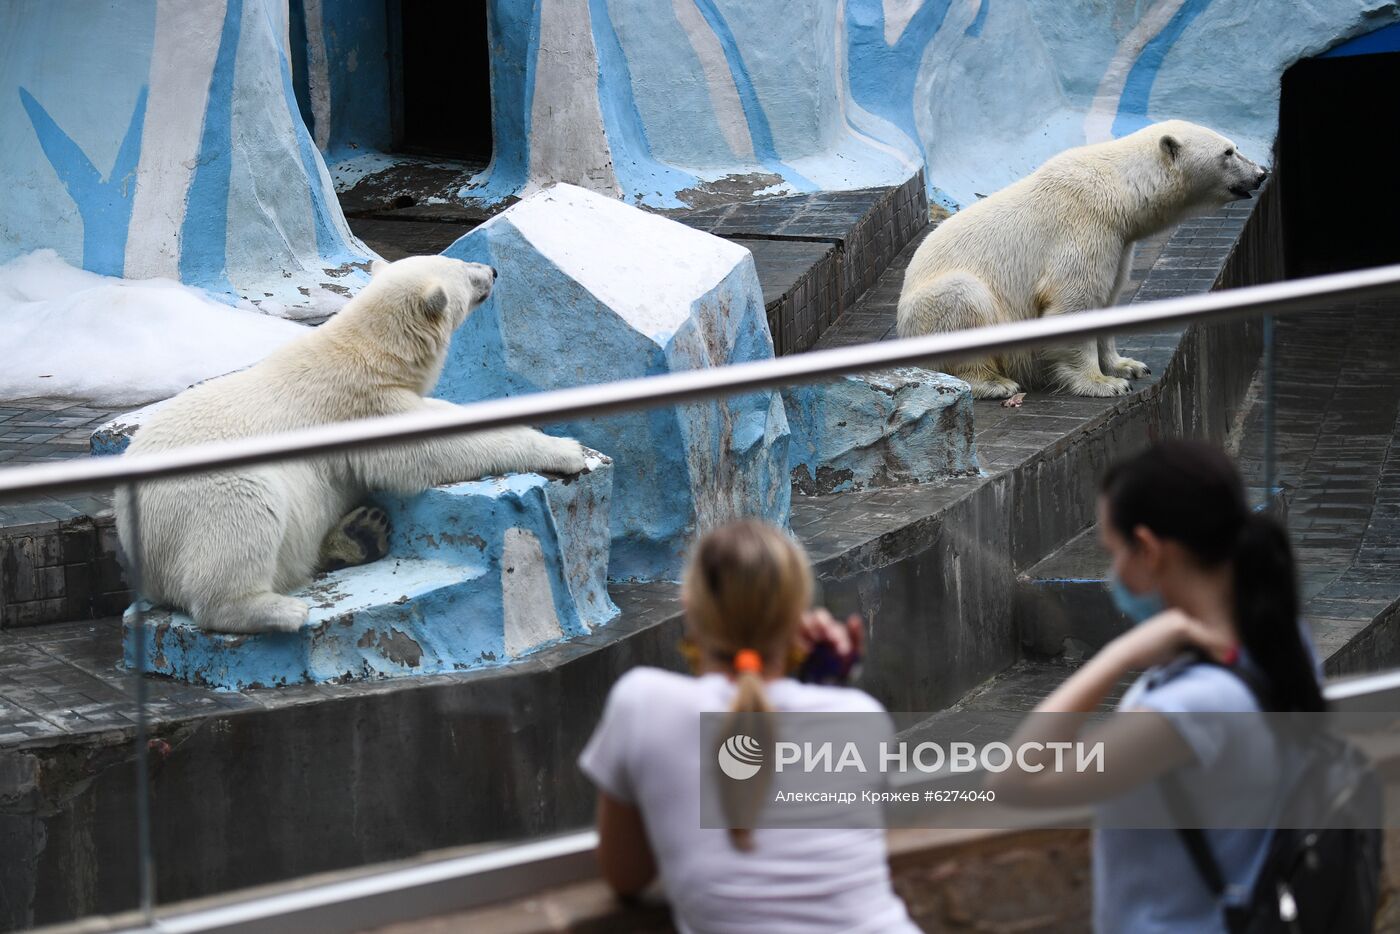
(1060, 240)
(228, 546)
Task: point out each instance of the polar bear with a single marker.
(227, 547)
(1060, 240)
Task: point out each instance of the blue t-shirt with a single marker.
(1144, 880)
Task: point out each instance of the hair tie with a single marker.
(746, 660)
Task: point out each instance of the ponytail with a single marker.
(745, 589)
(1267, 615)
(741, 801)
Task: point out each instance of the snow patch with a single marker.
(69, 333)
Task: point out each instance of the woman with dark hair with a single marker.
(1210, 584)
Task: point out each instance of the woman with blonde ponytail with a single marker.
(746, 594)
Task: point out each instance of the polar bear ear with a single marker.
(376, 267)
(434, 298)
(1171, 146)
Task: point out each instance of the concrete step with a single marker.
(818, 253)
(1063, 606)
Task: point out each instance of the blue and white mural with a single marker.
(161, 138)
(654, 100)
(190, 140)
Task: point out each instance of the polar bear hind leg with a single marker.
(223, 570)
(958, 301)
(259, 612)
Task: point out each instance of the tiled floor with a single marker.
(1336, 415)
(34, 431)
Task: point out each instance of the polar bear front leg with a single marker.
(412, 468)
(1115, 365)
(1075, 369)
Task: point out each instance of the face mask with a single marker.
(1137, 607)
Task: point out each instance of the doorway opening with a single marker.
(442, 79)
(1338, 152)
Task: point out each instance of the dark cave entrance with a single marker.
(1339, 163)
(441, 79)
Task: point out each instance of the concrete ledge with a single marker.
(478, 574)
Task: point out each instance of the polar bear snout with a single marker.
(1246, 189)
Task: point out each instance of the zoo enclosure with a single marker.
(1278, 298)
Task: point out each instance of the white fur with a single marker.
(227, 547)
(1060, 241)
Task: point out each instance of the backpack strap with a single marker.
(1193, 838)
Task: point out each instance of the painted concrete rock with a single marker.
(478, 574)
(592, 290)
(906, 425)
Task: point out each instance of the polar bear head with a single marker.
(403, 320)
(1208, 168)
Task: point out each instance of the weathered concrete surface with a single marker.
(478, 574)
(592, 290)
(906, 425)
(1063, 603)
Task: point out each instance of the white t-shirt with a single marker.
(1144, 880)
(646, 752)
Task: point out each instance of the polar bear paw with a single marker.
(1128, 368)
(359, 538)
(264, 612)
(285, 615)
(993, 388)
(1098, 385)
(563, 456)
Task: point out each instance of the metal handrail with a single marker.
(438, 887)
(558, 405)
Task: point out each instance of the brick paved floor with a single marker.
(1336, 415)
(37, 430)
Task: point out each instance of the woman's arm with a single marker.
(1136, 748)
(624, 853)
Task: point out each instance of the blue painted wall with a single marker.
(140, 139)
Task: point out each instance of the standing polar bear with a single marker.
(228, 546)
(1061, 240)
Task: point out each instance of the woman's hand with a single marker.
(1165, 636)
(830, 650)
(818, 626)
